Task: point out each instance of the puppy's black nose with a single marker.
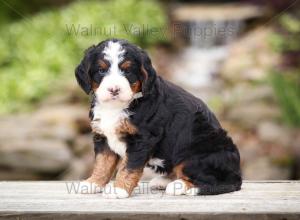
(114, 91)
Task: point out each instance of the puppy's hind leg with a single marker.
(182, 185)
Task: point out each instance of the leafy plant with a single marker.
(286, 79)
(39, 51)
(287, 90)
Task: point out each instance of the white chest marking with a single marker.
(156, 162)
(109, 121)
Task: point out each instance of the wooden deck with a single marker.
(59, 200)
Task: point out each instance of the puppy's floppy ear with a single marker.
(82, 71)
(148, 72)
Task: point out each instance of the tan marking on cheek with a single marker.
(127, 179)
(95, 86)
(136, 87)
(126, 128)
(178, 171)
(104, 168)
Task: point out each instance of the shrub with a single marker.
(286, 78)
(287, 90)
(38, 52)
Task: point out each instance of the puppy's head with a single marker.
(115, 70)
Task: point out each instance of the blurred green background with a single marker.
(250, 76)
(41, 43)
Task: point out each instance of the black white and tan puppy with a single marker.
(139, 119)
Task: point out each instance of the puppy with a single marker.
(139, 119)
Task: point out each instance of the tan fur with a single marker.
(103, 65)
(126, 127)
(127, 179)
(136, 87)
(125, 65)
(95, 86)
(179, 175)
(104, 168)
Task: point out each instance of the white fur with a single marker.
(192, 191)
(111, 192)
(156, 162)
(159, 182)
(113, 52)
(109, 109)
(86, 187)
(176, 188)
(107, 119)
(114, 78)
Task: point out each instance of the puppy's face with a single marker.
(114, 70)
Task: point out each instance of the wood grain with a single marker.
(48, 200)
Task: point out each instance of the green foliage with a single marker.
(287, 90)
(286, 82)
(38, 52)
(287, 39)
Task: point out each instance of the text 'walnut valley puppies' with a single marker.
(140, 119)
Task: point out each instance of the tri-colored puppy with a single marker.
(140, 119)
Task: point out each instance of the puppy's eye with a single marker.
(126, 71)
(102, 71)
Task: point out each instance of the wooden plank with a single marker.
(61, 200)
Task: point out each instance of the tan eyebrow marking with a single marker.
(126, 64)
(102, 64)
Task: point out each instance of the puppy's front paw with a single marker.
(111, 192)
(86, 187)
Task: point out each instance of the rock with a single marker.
(79, 168)
(243, 93)
(269, 131)
(250, 58)
(24, 127)
(250, 116)
(12, 174)
(61, 122)
(83, 144)
(224, 12)
(69, 116)
(250, 148)
(263, 169)
(37, 155)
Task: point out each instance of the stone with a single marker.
(15, 174)
(36, 155)
(25, 126)
(270, 131)
(203, 12)
(78, 169)
(251, 115)
(243, 93)
(83, 144)
(68, 116)
(61, 122)
(250, 58)
(263, 169)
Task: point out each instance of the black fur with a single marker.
(173, 125)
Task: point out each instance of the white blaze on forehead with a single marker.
(113, 52)
(114, 78)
